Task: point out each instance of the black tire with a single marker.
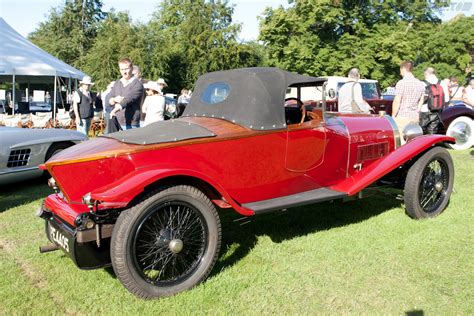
(56, 148)
(167, 243)
(429, 184)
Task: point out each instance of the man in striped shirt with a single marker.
(408, 98)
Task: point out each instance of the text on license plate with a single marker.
(59, 238)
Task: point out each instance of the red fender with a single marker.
(383, 166)
(119, 193)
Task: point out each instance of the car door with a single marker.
(305, 146)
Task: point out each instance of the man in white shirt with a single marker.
(350, 95)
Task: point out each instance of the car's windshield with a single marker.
(369, 89)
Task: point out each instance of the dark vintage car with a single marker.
(458, 122)
(146, 200)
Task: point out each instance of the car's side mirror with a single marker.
(332, 93)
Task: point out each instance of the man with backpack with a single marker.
(408, 95)
(432, 104)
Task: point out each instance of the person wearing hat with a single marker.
(82, 105)
(161, 82)
(154, 104)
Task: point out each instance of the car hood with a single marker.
(18, 137)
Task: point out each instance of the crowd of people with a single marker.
(129, 102)
(415, 101)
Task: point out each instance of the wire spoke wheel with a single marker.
(433, 185)
(169, 243)
(429, 184)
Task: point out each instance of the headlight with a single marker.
(411, 131)
(86, 199)
(52, 184)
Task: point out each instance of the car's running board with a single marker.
(299, 199)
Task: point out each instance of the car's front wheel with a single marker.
(167, 243)
(429, 184)
(462, 129)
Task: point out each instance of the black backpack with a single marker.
(435, 96)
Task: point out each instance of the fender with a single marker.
(47, 141)
(401, 155)
(449, 114)
(121, 192)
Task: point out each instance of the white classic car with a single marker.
(22, 150)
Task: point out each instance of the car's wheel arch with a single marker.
(55, 146)
(210, 191)
(127, 192)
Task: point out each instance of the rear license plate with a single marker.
(57, 236)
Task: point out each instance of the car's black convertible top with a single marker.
(251, 97)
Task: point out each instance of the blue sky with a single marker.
(25, 16)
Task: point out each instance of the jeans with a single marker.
(132, 126)
(84, 126)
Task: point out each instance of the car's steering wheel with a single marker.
(300, 105)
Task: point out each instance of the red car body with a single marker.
(242, 161)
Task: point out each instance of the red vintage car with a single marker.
(146, 200)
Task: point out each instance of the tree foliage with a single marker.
(70, 31)
(117, 37)
(328, 37)
(198, 37)
(186, 38)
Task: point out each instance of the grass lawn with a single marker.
(364, 257)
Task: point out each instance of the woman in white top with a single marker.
(469, 93)
(455, 90)
(154, 104)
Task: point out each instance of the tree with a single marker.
(196, 37)
(70, 31)
(328, 37)
(117, 37)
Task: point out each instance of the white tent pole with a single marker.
(13, 95)
(54, 98)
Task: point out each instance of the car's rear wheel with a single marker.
(429, 184)
(167, 243)
(462, 129)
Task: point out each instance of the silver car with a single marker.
(22, 150)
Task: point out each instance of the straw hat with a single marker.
(152, 85)
(86, 80)
(162, 81)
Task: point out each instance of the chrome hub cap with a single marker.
(176, 245)
(461, 132)
(439, 186)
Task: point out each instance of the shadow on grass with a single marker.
(281, 226)
(20, 193)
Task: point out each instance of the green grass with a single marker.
(364, 257)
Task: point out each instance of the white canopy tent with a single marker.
(21, 58)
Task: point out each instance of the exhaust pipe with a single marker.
(48, 248)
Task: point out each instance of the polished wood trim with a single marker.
(103, 147)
